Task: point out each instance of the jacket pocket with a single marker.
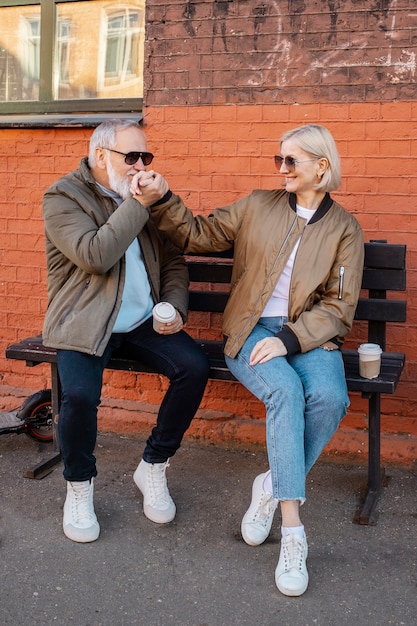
(75, 301)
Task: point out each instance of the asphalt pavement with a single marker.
(197, 571)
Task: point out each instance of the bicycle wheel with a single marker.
(36, 412)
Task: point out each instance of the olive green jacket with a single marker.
(87, 235)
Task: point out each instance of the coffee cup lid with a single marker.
(369, 348)
(164, 311)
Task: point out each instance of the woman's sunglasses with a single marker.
(290, 162)
(133, 157)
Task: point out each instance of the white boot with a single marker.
(80, 522)
(158, 505)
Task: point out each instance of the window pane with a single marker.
(19, 53)
(99, 49)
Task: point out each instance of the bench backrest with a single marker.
(384, 270)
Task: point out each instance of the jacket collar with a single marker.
(324, 206)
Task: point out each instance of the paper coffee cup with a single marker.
(369, 360)
(163, 312)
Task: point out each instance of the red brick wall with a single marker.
(216, 105)
(215, 154)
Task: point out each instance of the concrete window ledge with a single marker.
(81, 120)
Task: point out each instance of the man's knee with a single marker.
(194, 362)
(198, 369)
(80, 398)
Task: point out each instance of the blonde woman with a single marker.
(298, 258)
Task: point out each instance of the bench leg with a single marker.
(366, 513)
(45, 467)
(56, 395)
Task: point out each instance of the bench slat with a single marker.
(200, 272)
(381, 310)
(385, 255)
(392, 364)
(213, 302)
(387, 279)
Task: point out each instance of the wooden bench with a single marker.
(384, 270)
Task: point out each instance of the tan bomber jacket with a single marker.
(86, 239)
(263, 228)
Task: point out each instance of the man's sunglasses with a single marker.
(133, 157)
(290, 162)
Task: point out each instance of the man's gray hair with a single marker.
(104, 136)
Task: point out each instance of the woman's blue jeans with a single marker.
(176, 356)
(305, 396)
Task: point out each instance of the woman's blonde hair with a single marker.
(318, 141)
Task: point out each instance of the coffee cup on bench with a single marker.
(369, 360)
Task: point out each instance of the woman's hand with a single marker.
(267, 349)
(172, 327)
(148, 187)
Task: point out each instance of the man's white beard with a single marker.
(117, 183)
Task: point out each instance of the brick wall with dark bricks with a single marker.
(250, 52)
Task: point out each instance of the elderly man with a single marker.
(107, 267)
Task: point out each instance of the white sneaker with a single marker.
(257, 521)
(158, 506)
(80, 522)
(291, 576)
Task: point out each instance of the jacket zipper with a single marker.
(295, 258)
(108, 319)
(341, 280)
(272, 269)
(151, 283)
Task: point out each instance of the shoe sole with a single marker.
(292, 593)
(74, 534)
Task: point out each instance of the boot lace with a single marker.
(80, 508)
(157, 483)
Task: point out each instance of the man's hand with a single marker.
(148, 187)
(172, 327)
(267, 349)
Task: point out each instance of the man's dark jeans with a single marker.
(176, 356)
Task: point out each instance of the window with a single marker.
(63, 50)
(30, 42)
(69, 56)
(122, 34)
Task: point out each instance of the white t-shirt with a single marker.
(277, 305)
